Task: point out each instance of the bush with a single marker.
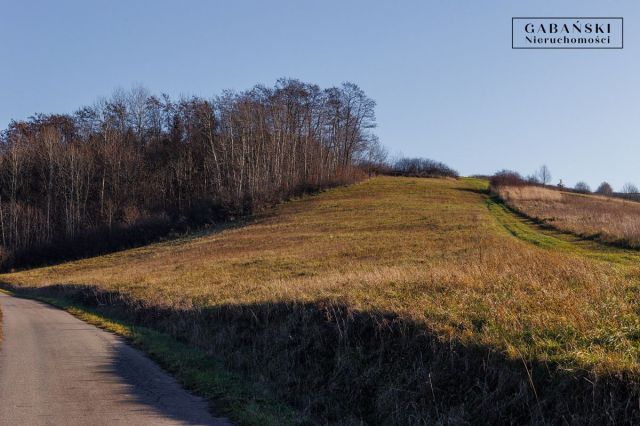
(507, 178)
(605, 189)
(582, 187)
(422, 167)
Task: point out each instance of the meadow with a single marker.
(392, 301)
(607, 219)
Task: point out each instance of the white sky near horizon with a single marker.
(447, 83)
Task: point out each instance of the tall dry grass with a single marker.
(393, 301)
(611, 220)
(528, 193)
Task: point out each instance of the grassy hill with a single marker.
(396, 300)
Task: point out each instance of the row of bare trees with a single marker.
(137, 162)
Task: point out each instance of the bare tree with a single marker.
(137, 162)
(544, 175)
(374, 158)
(629, 188)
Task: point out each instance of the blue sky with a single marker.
(447, 83)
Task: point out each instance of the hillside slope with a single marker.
(397, 300)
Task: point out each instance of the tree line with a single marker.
(543, 177)
(136, 165)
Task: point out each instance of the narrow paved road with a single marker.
(58, 370)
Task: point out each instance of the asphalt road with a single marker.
(58, 370)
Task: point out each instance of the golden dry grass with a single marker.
(528, 193)
(426, 250)
(608, 219)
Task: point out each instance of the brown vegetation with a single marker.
(393, 301)
(135, 166)
(611, 220)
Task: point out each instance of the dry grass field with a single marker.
(611, 220)
(392, 301)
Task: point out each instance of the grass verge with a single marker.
(192, 367)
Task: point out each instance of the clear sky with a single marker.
(447, 83)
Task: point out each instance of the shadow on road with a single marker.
(56, 369)
(342, 365)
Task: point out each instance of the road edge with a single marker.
(196, 371)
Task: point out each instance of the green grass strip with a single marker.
(546, 237)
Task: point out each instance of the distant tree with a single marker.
(629, 188)
(604, 189)
(560, 184)
(423, 167)
(544, 174)
(582, 187)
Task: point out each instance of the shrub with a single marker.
(604, 189)
(507, 178)
(582, 187)
(422, 167)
